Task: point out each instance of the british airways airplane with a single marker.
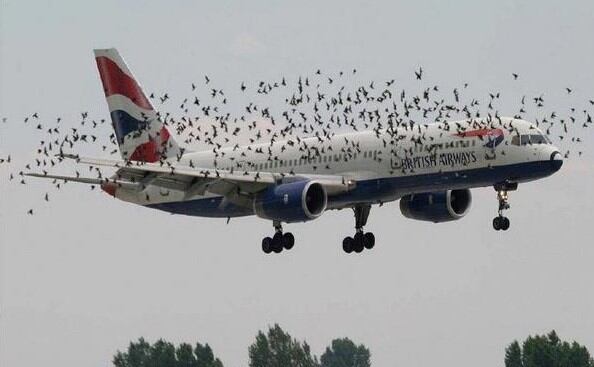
(429, 168)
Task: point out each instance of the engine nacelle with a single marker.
(297, 201)
(443, 206)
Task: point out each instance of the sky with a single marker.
(87, 274)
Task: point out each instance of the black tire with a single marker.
(497, 223)
(504, 223)
(368, 240)
(347, 245)
(277, 242)
(267, 245)
(358, 239)
(288, 240)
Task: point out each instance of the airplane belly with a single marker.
(214, 207)
(176, 202)
(392, 188)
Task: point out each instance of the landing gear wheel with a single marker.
(267, 245)
(504, 223)
(277, 242)
(348, 244)
(288, 240)
(368, 240)
(358, 239)
(497, 223)
(501, 222)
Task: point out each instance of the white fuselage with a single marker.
(386, 166)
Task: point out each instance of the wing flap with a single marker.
(85, 180)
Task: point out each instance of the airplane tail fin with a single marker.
(140, 134)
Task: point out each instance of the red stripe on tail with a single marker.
(152, 150)
(115, 81)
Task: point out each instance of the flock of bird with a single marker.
(318, 105)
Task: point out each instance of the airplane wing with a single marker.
(86, 180)
(234, 185)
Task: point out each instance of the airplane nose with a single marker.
(556, 160)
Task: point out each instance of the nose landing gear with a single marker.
(501, 222)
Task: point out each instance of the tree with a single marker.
(165, 354)
(513, 355)
(344, 353)
(547, 351)
(278, 349)
(185, 356)
(205, 357)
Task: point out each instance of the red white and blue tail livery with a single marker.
(430, 168)
(140, 134)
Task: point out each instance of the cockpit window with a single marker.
(516, 140)
(529, 139)
(537, 139)
(547, 139)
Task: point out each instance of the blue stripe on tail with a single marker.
(124, 124)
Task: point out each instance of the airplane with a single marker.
(430, 168)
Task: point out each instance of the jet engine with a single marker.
(298, 201)
(442, 206)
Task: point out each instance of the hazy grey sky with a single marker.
(87, 273)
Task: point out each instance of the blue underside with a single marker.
(383, 189)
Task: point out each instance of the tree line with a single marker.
(277, 348)
(547, 351)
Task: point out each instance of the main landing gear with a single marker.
(361, 240)
(501, 222)
(279, 241)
